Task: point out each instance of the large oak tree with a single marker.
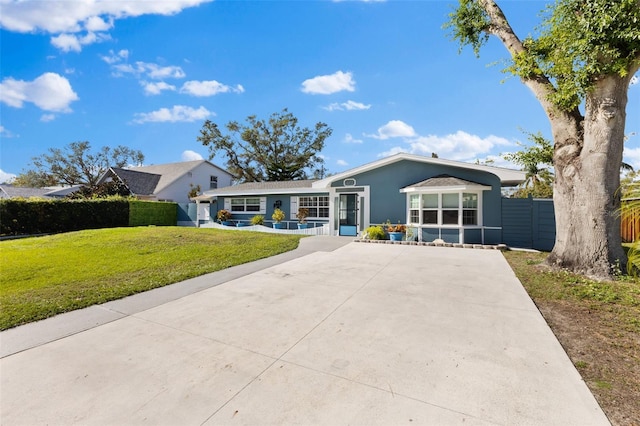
(76, 164)
(276, 149)
(583, 57)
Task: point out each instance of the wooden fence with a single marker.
(630, 226)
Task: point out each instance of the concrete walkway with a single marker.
(363, 334)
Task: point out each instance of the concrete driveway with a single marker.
(363, 334)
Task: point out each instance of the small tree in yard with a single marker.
(536, 160)
(273, 150)
(586, 53)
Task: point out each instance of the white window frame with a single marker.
(421, 209)
(213, 182)
(262, 206)
(315, 205)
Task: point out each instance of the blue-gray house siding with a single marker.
(382, 191)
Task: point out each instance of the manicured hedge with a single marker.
(37, 216)
(143, 213)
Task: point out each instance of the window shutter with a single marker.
(227, 204)
(263, 205)
(294, 207)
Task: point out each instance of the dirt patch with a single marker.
(606, 355)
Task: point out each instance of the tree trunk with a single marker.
(586, 198)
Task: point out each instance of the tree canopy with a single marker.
(583, 55)
(276, 149)
(75, 164)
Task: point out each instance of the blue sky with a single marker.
(146, 74)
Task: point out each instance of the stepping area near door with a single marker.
(358, 334)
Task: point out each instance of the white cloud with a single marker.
(394, 129)
(460, 146)
(632, 157)
(634, 80)
(189, 155)
(156, 88)
(115, 57)
(348, 138)
(328, 84)
(49, 92)
(71, 42)
(5, 133)
(6, 177)
(178, 113)
(349, 106)
(83, 16)
(47, 118)
(151, 70)
(342, 163)
(208, 88)
(95, 23)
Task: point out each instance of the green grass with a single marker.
(44, 276)
(621, 297)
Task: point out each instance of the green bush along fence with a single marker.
(37, 216)
(143, 213)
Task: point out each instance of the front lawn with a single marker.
(597, 323)
(45, 276)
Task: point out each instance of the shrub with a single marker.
(257, 220)
(375, 233)
(144, 213)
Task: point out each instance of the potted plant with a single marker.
(278, 216)
(224, 217)
(396, 232)
(302, 215)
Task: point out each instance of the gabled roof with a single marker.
(139, 183)
(259, 188)
(508, 177)
(444, 181)
(171, 172)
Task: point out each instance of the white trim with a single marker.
(445, 189)
(262, 205)
(227, 192)
(365, 206)
(318, 207)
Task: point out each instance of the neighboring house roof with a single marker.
(171, 172)
(10, 191)
(508, 177)
(257, 188)
(139, 183)
(444, 181)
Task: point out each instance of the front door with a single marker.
(348, 210)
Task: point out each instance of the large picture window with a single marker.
(318, 206)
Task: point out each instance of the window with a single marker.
(414, 208)
(457, 209)
(213, 182)
(450, 207)
(430, 209)
(469, 209)
(245, 205)
(318, 206)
